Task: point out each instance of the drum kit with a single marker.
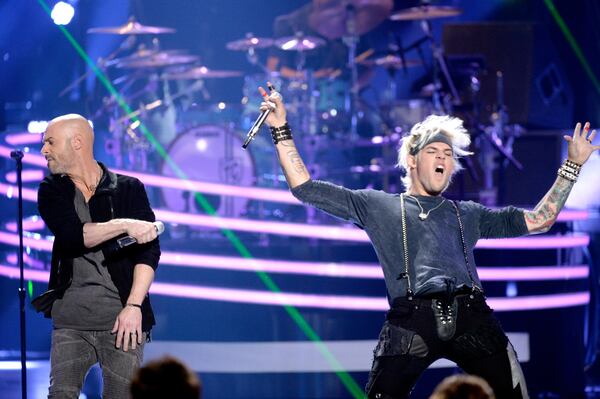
(200, 136)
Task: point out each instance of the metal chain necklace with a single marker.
(422, 214)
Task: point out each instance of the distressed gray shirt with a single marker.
(92, 301)
(435, 251)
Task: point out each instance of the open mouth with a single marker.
(440, 169)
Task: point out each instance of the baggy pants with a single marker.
(462, 329)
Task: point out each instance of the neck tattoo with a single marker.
(424, 215)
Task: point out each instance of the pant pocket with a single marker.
(395, 340)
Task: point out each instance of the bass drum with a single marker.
(208, 153)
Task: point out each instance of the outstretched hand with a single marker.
(580, 146)
(274, 102)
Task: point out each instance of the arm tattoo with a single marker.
(545, 213)
(296, 162)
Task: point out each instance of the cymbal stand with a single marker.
(439, 65)
(351, 41)
(493, 146)
(252, 57)
(102, 63)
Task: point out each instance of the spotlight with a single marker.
(37, 126)
(62, 13)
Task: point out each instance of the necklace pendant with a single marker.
(423, 216)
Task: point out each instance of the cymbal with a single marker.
(425, 12)
(140, 54)
(391, 62)
(200, 72)
(299, 43)
(157, 60)
(330, 17)
(132, 27)
(249, 42)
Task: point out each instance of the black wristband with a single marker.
(135, 305)
(281, 133)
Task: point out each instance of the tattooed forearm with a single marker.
(296, 162)
(292, 164)
(545, 213)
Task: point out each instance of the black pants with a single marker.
(462, 329)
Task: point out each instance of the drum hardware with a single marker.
(392, 62)
(128, 80)
(143, 53)
(101, 63)
(158, 60)
(250, 42)
(199, 72)
(132, 27)
(198, 85)
(424, 12)
(497, 138)
(299, 42)
(332, 18)
(348, 20)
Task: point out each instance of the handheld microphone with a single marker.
(128, 240)
(259, 121)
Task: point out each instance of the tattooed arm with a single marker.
(291, 163)
(541, 219)
(580, 147)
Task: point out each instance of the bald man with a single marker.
(98, 293)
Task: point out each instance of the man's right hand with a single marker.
(274, 102)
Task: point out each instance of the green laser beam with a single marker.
(347, 380)
(573, 43)
(30, 288)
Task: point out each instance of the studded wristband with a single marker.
(281, 133)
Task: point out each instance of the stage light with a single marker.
(37, 127)
(62, 13)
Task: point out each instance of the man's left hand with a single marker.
(128, 328)
(580, 144)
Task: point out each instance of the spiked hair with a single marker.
(421, 134)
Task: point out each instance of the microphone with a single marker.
(128, 240)
(259, 121)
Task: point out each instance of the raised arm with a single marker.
(580, 147)
(291, 163)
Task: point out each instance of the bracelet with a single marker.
(572, 164)
(281, 133)
(135, 305)
(285, 126)
(569, 170)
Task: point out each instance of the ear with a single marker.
(411, 161)
(76, 142)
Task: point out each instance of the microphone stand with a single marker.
(17, 155)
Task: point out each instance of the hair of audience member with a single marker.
(166, 377)
(463, 387)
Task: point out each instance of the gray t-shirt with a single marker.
(92, 300)
(435, 251)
